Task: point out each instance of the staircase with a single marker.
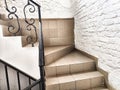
(66, 68)
(74, 71)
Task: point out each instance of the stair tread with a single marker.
(72, 77)
(53, 53)
(100, 88)
(53, 49)
(74, 57)
(50, 49)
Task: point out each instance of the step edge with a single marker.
(66, 46)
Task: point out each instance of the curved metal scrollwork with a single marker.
(30, 24)
(31, 39)
(12, 13)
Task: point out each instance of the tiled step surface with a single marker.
(53, 53)
(100, 88)
(75, 81)
(56, 52)
(73, 62)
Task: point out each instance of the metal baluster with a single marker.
(40, 88)
(41, 48)
(29, 82)
(41, 53)
(18, 77)
(7, 77)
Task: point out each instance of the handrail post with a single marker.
(41, 45)
(41, 52)
(41, 48)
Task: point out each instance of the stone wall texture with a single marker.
(50, 8)
(97, 32)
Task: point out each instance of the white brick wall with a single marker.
(50, 8)
(97, 31)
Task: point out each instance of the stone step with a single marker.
(75, 81)
(99, 88)
(56, 52)
(74, 62)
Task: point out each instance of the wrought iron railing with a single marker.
(30, 26)
(18, 28)
(11, 14)
(31, 22)
(5, 66)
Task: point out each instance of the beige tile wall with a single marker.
(55, 31)
(58, 31)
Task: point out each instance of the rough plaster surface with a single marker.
(97, 32)
(114, 78)
(25, 59)
(50, 8)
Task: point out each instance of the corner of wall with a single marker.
(105, 73)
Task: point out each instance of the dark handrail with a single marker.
(41, 48)
(33, 84)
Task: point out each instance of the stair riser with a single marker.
(89, 83)
(99, 89)
(56, 55)
(78, 84)
(70, 69)
(3, 22)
